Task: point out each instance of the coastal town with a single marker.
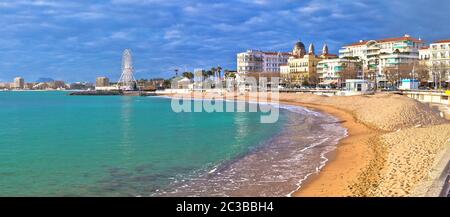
(404, 62)
(391, 95)
(420, 70)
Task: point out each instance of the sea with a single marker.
(54, 144)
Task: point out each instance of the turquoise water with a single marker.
(52, 144)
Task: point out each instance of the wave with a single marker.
(274, 167)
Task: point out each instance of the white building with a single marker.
(19, 83)
(328, 70)
(436, 59)
(253, 61)
(409, 84)
(377, 55)
(356, 87)
(284, 73)
(424, 53)
(440, 59)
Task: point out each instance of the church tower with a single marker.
(311, 49)
(325, 50)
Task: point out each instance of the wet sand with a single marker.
(392, 148)
(352, 155)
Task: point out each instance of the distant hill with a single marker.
(40, 80)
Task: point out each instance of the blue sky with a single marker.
(80, 40)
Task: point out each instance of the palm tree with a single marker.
(189, 75)
(209, 73)
(219, 70)
(214, 71)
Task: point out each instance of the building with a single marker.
(284, 74)
(19, 83)
(409, 84)
(330, 71)
(81, 86)
(253, 61)
(303, 65)
(356, 87)
(424, 53)
(57, 85)
(425, 64)
(102, 82)
(440, 60)
(380, 55)
(436, 60)
(184, 83)
(4, 86)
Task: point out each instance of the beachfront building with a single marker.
(303, 65)
(284, 74)
(436, 60)
(355, 87)
(425, 63)
(330, 71)
(253, 61)
(409, 84)
(102, 82)
(380, 55)
(440, 60)
(19, 83)
(184, 83)
(5, 85)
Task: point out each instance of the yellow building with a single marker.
(303, 66)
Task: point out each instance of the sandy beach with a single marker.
(393, 148)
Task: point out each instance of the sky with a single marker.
(81, 40)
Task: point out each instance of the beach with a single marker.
(395, 145)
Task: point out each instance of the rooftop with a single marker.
(404, 38)
(442, 41)
(276, 53)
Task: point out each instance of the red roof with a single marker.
(404, 38)
(330, 55)
(443, 41)
(424, 48)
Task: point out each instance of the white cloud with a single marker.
(311, 8)
(121, 35)
(172, 34)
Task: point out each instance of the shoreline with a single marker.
(285, 105)
(312, 184)
(391, 145)
(332, 180)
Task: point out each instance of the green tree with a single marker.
(209, 73)
(166, 83)
(230, 74)
(219, 71)
(189, 75)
